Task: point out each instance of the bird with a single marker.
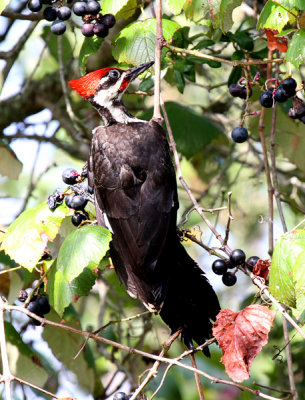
(135, 189)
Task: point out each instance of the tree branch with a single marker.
(158, 49)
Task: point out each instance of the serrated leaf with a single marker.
(135, 44)
(211, 10)
(10, 166)
(62, 292)
(274, 17)
(27, 237)
(192, 131)
(176, 6)
(120, 8)
(285, 275)
(225, 13)
(85, 247)
(3, 4)
(90, 46)
(296, 49)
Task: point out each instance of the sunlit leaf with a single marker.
(10, 166)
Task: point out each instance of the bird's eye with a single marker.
(114, 73)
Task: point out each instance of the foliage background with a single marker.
(46, 138)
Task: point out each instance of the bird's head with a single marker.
(106, 85)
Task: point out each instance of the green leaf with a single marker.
(192, 131)
(287, 274)
(274, 17)
(27, 237)
(203, 44)
(244, 40)
(296, 49)
(3, 4)
(52, 44)
(90, 46)
(235, 75)
(85, 247)
(135, 44)
(179, 80)
(65, 345)
(120, 8)
(225, 13)
(193, 10)
(292, 4)
(62, 292)
(176, 6)
(10, 166)
(146, 84)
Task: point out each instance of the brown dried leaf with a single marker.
(275, 42)
(241, 336)
(261, 268)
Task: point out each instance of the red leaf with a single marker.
(274, 42)
(241, 336)
(261, 268)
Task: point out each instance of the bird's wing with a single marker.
(135, 187)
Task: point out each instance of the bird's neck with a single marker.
(114, 112)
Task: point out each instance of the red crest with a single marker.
(86, 85)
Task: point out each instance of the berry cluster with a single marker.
(240, 134)
(78, 199)
(279, 95)
(237, 257)
(94, 22)
(39, 304)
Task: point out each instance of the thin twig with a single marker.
(154, 369)
(7, 376)
(77, 124)
(131, 350)
(261, 129)
(158, 49)
(15, 378)
(234, 63)
(184, 184)
(289, 360)
(230, 217)
(198, 383)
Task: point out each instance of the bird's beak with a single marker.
(132, 73)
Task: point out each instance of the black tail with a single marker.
(190, 303)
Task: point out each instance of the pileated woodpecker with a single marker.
(136, 194)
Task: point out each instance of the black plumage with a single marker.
(135, 187)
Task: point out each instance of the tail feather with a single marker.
(190, 303)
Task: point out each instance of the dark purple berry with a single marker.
(120, 396)
(80, 8)
(239, 134)
(266, 98)
(48, 1)
(69, 176)
(237, 257)
(87, 30)
(76, 202)
(34, 307)
(55, 199)
(280, 95)
(58, 27)
(35, 5)
(44, 304)
(251, 262)
(289, 85)
(50, 13)
(219, 267)
(64, 13)
(100, 30)
(24, 294)
(78, 218)
(239, 91)
(85, 186)
(93, 7)
(108, 20)
(229, 279)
